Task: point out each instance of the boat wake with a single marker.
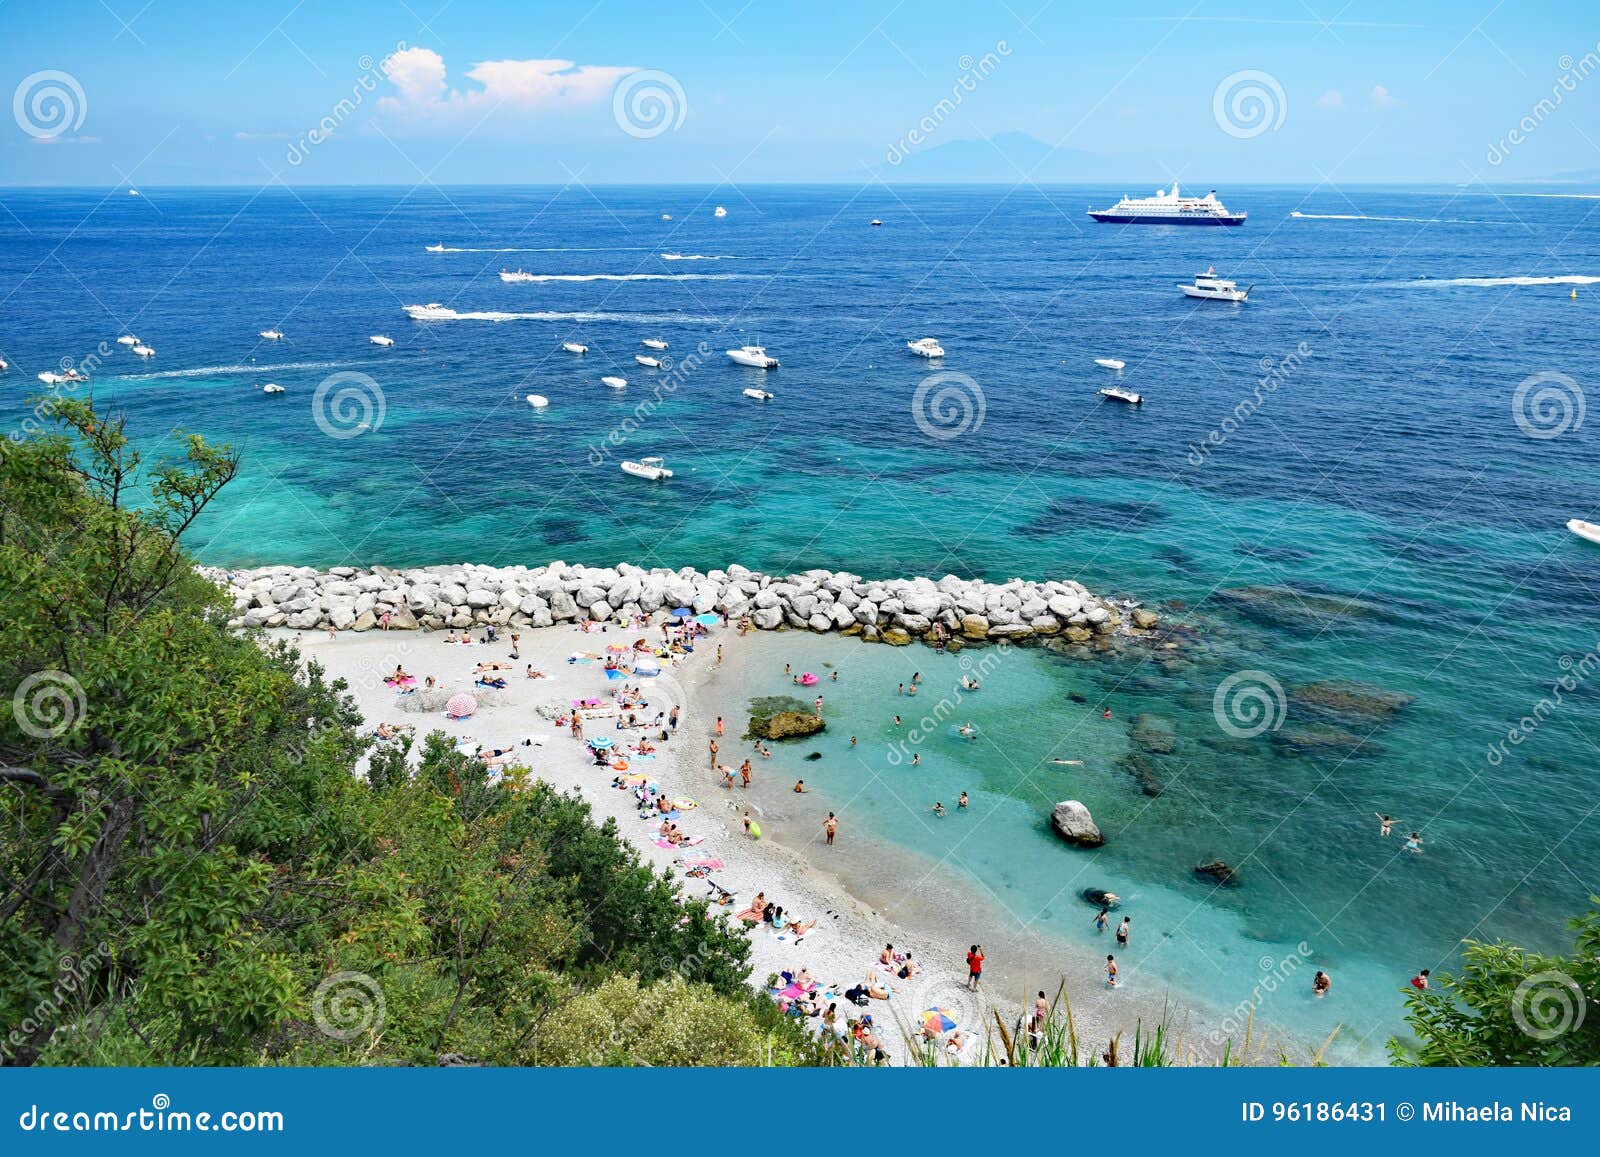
(618, 276)
(1565, 279)
(227, 371)
(701, 257)
(557, 249)
(1407, 220)
(444, 313)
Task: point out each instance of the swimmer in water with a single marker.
(1384, 823)
(938, 809)
(1414, 843)
(962, 802)
(967, 731)
(1068, 762)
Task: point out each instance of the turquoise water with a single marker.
(1408, 531)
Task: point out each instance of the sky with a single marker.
(175, 92)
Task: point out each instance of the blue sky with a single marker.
(179, 92)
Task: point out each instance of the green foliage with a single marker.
(1509, 1006)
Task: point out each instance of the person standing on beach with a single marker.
(831, 826)
(713, 755)
(515, 639)
(1123, 931)
(744, 772)
(974, 966)
(672, 719)
(1111, 971)
(719, 725)
(719, 654)
(1041, 1015)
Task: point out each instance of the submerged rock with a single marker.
(1347, 699)
(1219, 871)
(1073, 823)
(1100, 898)
(1323, 739)
(1153, 733)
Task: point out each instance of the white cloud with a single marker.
(424, 96)
(1382, 97)
(1333, 98)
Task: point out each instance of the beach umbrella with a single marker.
(460, 706)
(938, 1020)
(681, 612)
(600, 742)
(707, 620)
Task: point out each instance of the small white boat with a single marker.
(666, 216)
(643, 360)
(271, 334)
(926, 347)
(754, 355)
(4, 365)
(133, 192)
(1111, 363)
(875, 221)
(653, 343)
(759, 395)
(1584, 529)
(1118, 394)
(719, 212)
(652, 468)
(73, 374)
(518, 275)
(144, 351)
(51, 378)
(127, 339)
(574, 347)
(1209, 286)
(615, 383)
(538, 401)
(379, 339)
(272, 388)
(435, 248)
(433, 311)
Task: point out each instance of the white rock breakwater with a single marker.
(894, 611)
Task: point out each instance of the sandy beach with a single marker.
(862, 893)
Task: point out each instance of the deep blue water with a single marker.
(1410, 530)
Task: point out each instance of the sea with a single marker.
(1345, 498)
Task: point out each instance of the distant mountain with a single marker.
(1006, 158)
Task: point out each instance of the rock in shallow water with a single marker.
(1073, 823)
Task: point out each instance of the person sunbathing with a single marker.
(801, 927)
(532, 674)
(497, 683)
(877, 991)
(399, 673)
(752, 914)
(487, 666)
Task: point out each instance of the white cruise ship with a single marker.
(1169, 207)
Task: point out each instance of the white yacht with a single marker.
(653, 343)
(1169, 207)
(574, 347)
(268, 334)
(654, 469)
(519, 275)
(435, 248)
(754, 355)
(272, 388)
(926, 347)
(615, 383)
(759, 395)
(144, 351)
(1111, 363)
(1118, 394)
(720, 212)
(379, 339)
(433, 311)
(127, 339)
(1584, 529)
(643, 360)
(51, 378)
(1209, 286)
(538, 401)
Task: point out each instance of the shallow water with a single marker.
(1379, 515)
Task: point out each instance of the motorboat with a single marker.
(1169, 207)
(654, 469)
(1111, 363)
(1210, 287)
(379, 339)
(433, 311)
(653, 343)
(435, 248)
(574, 347)
(51, 378)
(271, 334)
(1582, 529)
(643, 360)
(1118, 394)
(4, 365)
(538, 401)
(759, 395)
(666, 216)
(876, 222)
(754, 355)
(133, 192)
(926, 347)
(144, 351)
(615, 383)
(518, 275)
(73, 374)
(127, 339)
(719, 212)
(272, 388)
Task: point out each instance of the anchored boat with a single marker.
(654, 469)
(1210, 287)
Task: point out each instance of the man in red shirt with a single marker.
(974, 967)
